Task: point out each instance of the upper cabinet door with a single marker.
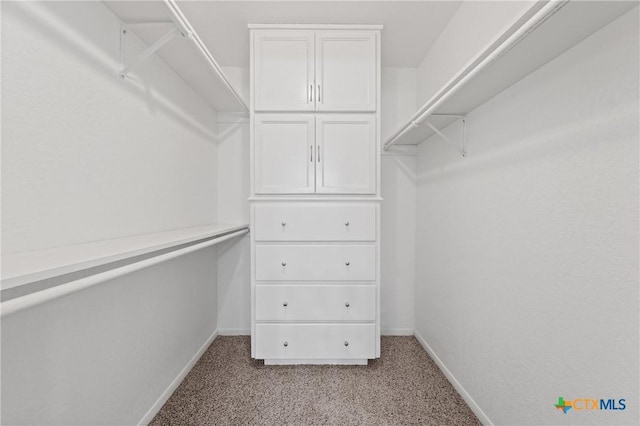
(346, 154)
(346, 64)
(284, 154)
(283, 70)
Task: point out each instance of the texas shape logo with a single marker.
(563, 405)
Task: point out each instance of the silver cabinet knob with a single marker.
(346, 343)
(284, 223)
(285, 344)
(347, 263)
(346, 223)
(284, 263)
(347, 304)
(285, 304)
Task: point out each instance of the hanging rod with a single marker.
(472, 70)
(182, 22)
(18, 304)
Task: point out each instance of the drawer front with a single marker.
(314, 222)
(315, 303)
(315, 341)
(315, 262)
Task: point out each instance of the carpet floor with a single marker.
(227, 387)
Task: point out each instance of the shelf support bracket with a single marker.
(168, 36)
(463, 150)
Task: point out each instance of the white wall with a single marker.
(107, 354)
(233, 168)
(87, 156)
(527, 252)
(234, 260)
(398, 210)
(239, 79)
(475, 25)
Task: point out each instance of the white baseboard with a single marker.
(234, 332)
(397, 332)
(316, 361)
(484, 419)
(155, 408)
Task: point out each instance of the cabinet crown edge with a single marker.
(378, 27)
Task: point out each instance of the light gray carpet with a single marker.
(403, 387)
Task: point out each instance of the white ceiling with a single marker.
(410, 27)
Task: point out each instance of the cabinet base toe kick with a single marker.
(316, 361)
(315, 343)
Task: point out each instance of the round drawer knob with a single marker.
(347, 304)
(285, 304)
(347, 263)
(284, 223)
(284, 263)
(285, 344)
(346, 343)
(346, 223)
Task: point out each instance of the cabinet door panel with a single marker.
(346, 66)
(346, 161)
(283, 70)
(284, 154)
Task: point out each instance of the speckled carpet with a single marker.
(403, 387)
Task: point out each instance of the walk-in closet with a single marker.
(344, 212)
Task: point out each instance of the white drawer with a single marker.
(315, 341)
(315, 222)
(348, 262)
(315, 303)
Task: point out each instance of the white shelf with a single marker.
(28, 267)
(553, 29)
(187, 56)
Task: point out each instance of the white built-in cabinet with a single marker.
(304, 70)
(325, 154)
(315, 213)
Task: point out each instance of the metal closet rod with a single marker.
(30, 300)
(187, 31)
(459, 81)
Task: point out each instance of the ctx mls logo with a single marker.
(590, 404)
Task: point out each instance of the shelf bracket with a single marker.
(463, 150)
(168, 36)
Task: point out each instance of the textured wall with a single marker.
(234, 260)
(474, 26)
(398, 210)
(105, 355)
(527, 250)
(87, 156)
